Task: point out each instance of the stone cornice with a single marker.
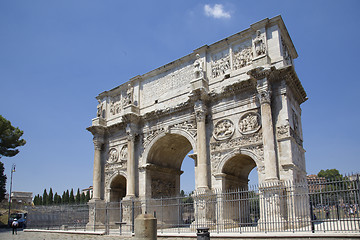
(97, 130)
(292, 80)
(157, 168)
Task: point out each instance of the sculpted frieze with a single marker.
(220, 65)
(150, 135)
(249, 123)
(242, 57)
(189, 126)
(283, 131)
(223, 129)
(237, 142)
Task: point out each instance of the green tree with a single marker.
(40, 200)
(72, 197)
(77, 197)
(9, 141)
(88, 196)
(9, 138)
(56, 199)
(82, 198)
(50, 199)
(330, 174)
(2, 182)
(45, 198)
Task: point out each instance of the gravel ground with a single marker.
(6, 234)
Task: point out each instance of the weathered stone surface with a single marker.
(235, 103)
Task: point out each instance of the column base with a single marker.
(97, 212)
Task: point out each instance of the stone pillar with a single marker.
(98, 142)
(145, 227)
(202, 155)
(270, 160)
(131, 164)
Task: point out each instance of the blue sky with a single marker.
(56, 56)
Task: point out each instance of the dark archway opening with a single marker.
(117, 188)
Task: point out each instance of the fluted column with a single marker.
(98, 142)
(202, 155)
(268, 135)
(131, 167)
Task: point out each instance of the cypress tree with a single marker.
(78, 197)
(87, 196)
(35, 201)
(72, 198)
(45, 198)
(67, 197)
(40, 200)
(82, 198)
(57, 199)
(50, 200)
(63, 198)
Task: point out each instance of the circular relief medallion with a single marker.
(249, 123)
(113, 155)
(123, 153)
(223, 129)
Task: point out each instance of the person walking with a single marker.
(14, 226)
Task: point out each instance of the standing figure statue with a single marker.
(198, 67)
(130, 94)
(99, 109)
(259, 44)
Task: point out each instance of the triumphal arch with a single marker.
(234, 103)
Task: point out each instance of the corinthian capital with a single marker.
(200, 111)
(130, 132)
(264, 96)
(98, 142)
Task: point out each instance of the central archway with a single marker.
(164, 160)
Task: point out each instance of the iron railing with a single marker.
(316, 206)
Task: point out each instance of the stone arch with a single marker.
(178, 131)
(117, 186)
(163, 159)
(234, 168)
(233, 153)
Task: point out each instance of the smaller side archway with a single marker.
(117, 188)
(233, 172)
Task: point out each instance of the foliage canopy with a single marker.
(9, 138)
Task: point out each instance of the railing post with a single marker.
(132, 215)
(312, 218)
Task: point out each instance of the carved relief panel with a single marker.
(220, 63)
(223, 129)
(242, 55)
(249, 123)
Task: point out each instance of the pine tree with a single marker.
(77, 198)
(9, 138)
(40, 200)
(45, 198)
(72, 198)
(50, 199)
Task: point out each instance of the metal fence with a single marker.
(317, 206)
